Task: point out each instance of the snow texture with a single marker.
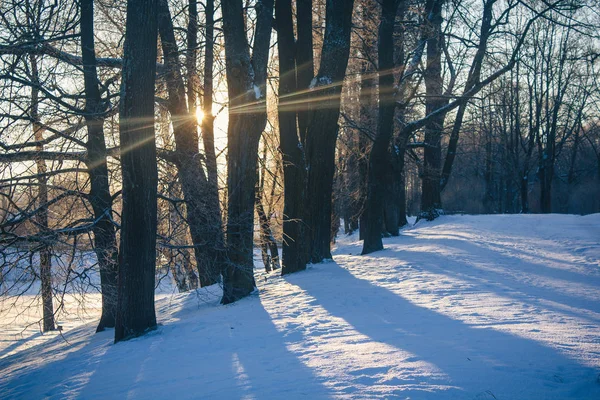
(320, 81)
(465, 307)
(257, 93)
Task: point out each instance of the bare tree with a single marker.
(246, 85)
(135, 313)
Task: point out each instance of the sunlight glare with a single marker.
(199, 114)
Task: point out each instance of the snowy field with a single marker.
(467, 307)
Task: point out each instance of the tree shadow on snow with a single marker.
(474, 359)
(497, 275)
(229, 352)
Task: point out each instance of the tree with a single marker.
(246, 81)
(294, 169)
(100, 198)
(135, 313)
(324, 98)
(378, 159)
(202, 208)
(42, 216)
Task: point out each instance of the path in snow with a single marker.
(467, 307)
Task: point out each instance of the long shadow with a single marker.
(32, 375)
(227, 352)
(505, 286)
(505, 263)
(503, 283)
(272, 369)
(17, 342)
(500, 249)
(475, 359)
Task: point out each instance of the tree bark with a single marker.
(294, 170)
(207, 125)
(42, 217)
(202, 210)
(322, 129)
(136, 314)
(105, 239)
(368, 108)
(431, 201)
(379, 162)
(246, 79)
(304, 60)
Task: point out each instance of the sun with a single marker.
(199, 114)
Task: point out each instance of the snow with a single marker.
(257, 93)
(320, 81)
(465, 307)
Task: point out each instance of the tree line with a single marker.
(361, 111)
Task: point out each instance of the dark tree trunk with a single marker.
(367, 119)
(294, 170)
(350, 206)
(246, 80)
(304, 61)
(42, 217)
(208, 136)
(546, 175)
(105, 239)
(488, 200)
(322, 129)
(534, 126)
(379, 162)
(203, 215)
(192, 56)
(367, 111)
(431, 201)
(395, 207)
(137, 256)
(401, 142)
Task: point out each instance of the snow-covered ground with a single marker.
(467, 307)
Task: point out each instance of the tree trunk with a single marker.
(202, 210)
(395, 210)
(105, 239)
(488, 200)
(208, 135)
(135, 312)
(304, 62)
(42, 217)
(294, 170)
(431, 201)
(322, 129)
(367, 111)
(246, 80)
(379, 163)
(367, 119)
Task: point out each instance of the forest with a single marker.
(200, 141)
